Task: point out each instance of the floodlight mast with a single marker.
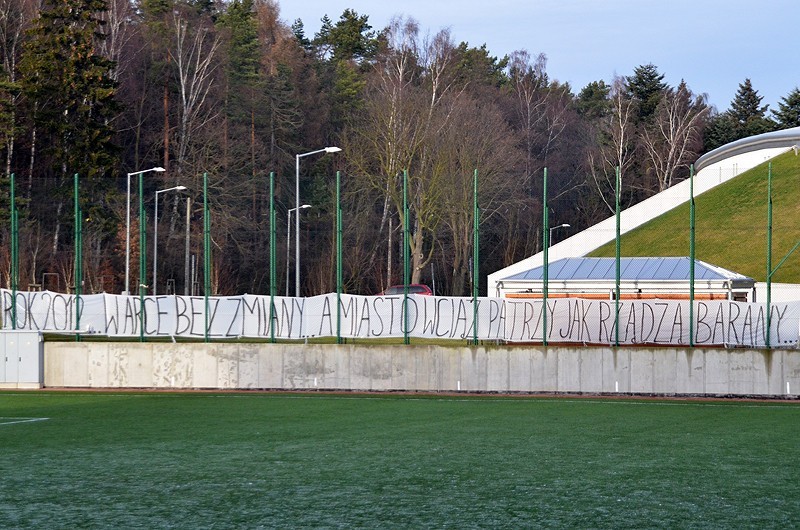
(157, 169)
(155, 236)
(332, 149)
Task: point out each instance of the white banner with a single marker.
(569, 320)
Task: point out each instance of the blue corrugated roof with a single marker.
(675, 268)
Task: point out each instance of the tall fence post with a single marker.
(691, 255)
(14, 253)
(272, 274)
(78, 262)
(142, 258)
(206, 253)
(769, 253)
(406, 243)
(617, 257)
(338, 258)
(475, 255)
(545, 269)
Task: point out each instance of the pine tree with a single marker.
(70, 85)
(299, 32)
(592, 101)
(747, 113)
(346, 49)
(719, 131)
(352, 38)
(8, 90)
(647, 87)
(788, 114)
(478, 66)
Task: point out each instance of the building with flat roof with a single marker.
(640, 278)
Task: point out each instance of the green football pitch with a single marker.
(253, 460)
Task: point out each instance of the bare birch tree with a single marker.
(118, 31)
(479, 139)
(193, 55)
(616, 149)
(674, 138)
(404, 113)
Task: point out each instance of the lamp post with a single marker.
(297, 207)
(550, 241)
(288, 233)
(155, 236)
(128, 226)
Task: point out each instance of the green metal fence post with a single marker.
(617, 258)
(545, 269)
(142, 258)
(206, 253)
(691, 255)
(475, 262)
(272, 255)
(406, 243)
(338, 257)
(14, 253)
(78, 262)
(769, 253)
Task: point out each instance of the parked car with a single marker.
(414, 288)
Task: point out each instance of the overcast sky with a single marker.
(712, 44)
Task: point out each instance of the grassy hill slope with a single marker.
(731, 225)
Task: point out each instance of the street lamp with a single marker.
(297, 207)
(128, 226)
(550, 241)
(155, 236)
(288, 233)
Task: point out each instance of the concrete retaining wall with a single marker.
(423, 368)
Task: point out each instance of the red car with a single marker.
(414, 288)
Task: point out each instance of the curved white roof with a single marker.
(784, 139)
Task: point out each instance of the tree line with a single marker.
(104, 88)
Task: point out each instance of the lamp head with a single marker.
(158, 169)
(180, 188)
(305, 206)
(332, 149)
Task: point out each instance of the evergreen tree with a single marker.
(720, 131)
(243, 66)
(284, 113)
(299, 32)
(243, 50)
(245, 84)
(346, 49)
(592, 101)
(647, 87)
(478, 66)
(8, 90)
(352, 38)
(747, 113)
(788, 114)
(70, 86)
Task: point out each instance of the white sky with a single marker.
(712, 44)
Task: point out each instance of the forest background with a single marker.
(106, 88)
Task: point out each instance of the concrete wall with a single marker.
(423, 368)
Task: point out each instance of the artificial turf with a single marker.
(200, 460)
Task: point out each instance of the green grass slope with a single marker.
(731, 225)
